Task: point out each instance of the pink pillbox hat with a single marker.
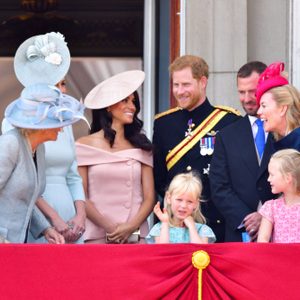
(270, 78)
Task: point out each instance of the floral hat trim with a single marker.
(42, 47)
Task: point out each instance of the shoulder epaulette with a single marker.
(228, 108)
(167, 112)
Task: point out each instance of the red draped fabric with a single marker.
(236, 271)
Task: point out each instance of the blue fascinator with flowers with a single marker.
(42, 58)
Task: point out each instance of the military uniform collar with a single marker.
(200, 110)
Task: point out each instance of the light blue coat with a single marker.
(20, 187)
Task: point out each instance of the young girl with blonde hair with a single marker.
(281, 217)
(181, 221)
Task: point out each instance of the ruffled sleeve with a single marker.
(206, 231)
(154, 232)
(267, 210)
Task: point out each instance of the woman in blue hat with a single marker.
(37, 116)
(46, 58)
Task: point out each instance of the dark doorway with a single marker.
(91, 27)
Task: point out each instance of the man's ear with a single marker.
(203, 81)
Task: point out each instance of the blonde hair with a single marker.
(289, 163)
(290, 96)
(186, 183)
(26, 132)
(197, 64)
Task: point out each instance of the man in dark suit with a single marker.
(238, 175)
(183, 137)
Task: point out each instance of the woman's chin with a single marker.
(274, 191)
(268, 128)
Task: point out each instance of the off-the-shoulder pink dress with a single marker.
(114, 184)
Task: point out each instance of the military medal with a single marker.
(210, 148)
(189, 131)
(203, 147)
(203, 151)
(210, 151)
(206, 170)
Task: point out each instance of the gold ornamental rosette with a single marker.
(200, 260)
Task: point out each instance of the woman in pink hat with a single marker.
(115, 162)
(279, 107)
(280, 110)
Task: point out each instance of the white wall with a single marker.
(268, 30)
(229, 33)
(217, 31)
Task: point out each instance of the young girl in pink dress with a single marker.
(281, 217)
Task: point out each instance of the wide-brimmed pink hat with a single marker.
(270, 78)
(114, 89)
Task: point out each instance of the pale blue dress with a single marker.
(63, 182)
(181, 234)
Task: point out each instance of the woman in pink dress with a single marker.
(281, 217)
(115, 162)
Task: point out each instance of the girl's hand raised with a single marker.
(162, 215)
(189, 222)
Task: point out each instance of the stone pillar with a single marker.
(269, 31)
(295, 43)
(217, 31)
